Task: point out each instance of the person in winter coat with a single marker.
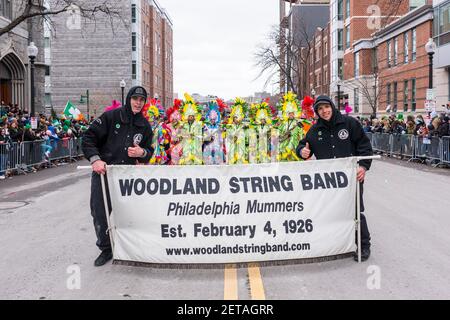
(338, 136)
(118, 137)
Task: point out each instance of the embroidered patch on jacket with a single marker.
(343, 134)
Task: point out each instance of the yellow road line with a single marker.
(230, 289)
(256, 284)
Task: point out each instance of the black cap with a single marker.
(323, 100)
(139, 92)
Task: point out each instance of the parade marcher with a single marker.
(307, 113)
(213, 141)
(119, 137)
(339, 136)
(191, 133)
(260, 133)
(174, 118)
(160, 133)
(236, 150)
(290, 128)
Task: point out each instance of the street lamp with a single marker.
(430, 48)
(32, 51)
(313, 93)
(122, 86)
(339, 93)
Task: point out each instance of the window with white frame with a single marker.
(406, 47)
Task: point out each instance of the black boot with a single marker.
(103, 258)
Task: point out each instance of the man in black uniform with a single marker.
(338, 136)
(119, 137)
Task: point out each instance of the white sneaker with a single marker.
(2, 177)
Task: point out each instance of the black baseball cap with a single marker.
(139, 92)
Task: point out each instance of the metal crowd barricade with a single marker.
(428, 148)
(75, 148)
(9, 157)
(445, 151)
(60, 149)
(31, 154)
(381, 142)
(403, 145)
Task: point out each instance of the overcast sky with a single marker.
(214, 43)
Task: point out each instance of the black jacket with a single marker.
(110, 136)
(340, 137)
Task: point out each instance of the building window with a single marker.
(340, 5)
(405, 96)
(448, 81)
(388, 46)
(133, 70)
(357, 64)
(413, 4)
(341, 69)
(133, 13)
(47, 70)
(347, 9)
(375, 61)
(395, 51)
(394, 109)
(48, 99)
(442, 24)
(340, 39)
(414, 45)
(6, 9)
(133, 41)
(406, 47)
(46, 42)
(356, 99)
(388, 92)
(347, 37)
(413, 95)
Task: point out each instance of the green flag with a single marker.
(70, 111)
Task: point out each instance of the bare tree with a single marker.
(89, 10)
(286, 55)
(372, 88)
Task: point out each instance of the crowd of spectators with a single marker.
(433, 125)
(16, 127)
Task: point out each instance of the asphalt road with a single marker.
(48, 247)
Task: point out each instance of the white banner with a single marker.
(239, 213)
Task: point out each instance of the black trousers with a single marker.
(98, 211)
(365, 234)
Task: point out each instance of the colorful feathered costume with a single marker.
(174, 127)
(213, 140)
(192, 133)
(260, 133)
(290, 128)
(236, 134)
(161, 136)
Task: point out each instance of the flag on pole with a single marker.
(70, 111)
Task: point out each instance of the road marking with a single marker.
(256, 284)
(230, 283)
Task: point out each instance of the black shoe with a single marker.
(103, 258)
(365, 254)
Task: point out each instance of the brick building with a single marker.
(92, 56)
(352, 24)
(403, 63)
(319, 63)
(157, 62)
